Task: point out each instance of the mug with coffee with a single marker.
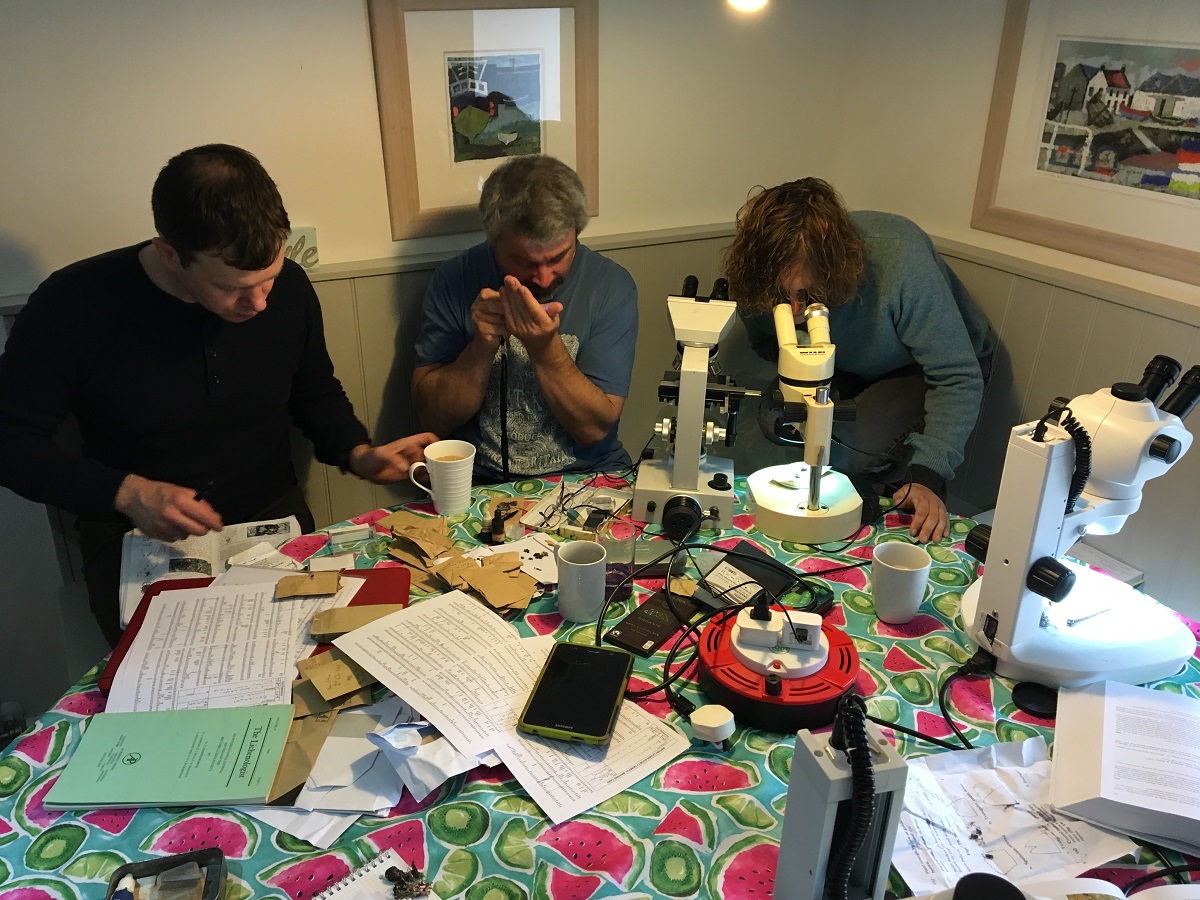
(449, 464)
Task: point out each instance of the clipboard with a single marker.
(387, 585)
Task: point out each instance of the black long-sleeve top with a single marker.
(164, 389)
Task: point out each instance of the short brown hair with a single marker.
(803, 219)
(219, 199)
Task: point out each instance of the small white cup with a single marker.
(899, 576)
(580, 580)
(449, 464)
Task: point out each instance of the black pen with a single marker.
(203, 493)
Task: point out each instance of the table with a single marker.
(705, 820)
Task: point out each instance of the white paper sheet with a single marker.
(318, 827)
(350, 773)
(566, 778)
(455, 661)
(988, 810)
(229, 645)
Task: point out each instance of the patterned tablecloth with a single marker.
(707, 825)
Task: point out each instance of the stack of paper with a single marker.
(174, 758)
(1126, 758)
(469, 674)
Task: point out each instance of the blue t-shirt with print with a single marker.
(598, 326)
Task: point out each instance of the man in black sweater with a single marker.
(181, 375)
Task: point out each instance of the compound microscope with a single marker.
(806, 502)
(1079, 470)
(690, 485)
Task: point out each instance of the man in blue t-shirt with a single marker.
(527, 343)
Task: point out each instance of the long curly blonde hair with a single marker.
(800, 220)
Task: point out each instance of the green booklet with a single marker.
(186, 757)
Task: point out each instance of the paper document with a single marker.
(175, 758)
(455, 661)
(145, 560)
(988, 810)
(566, 778)
(1127, 758)
(350, 773)
(231, 645)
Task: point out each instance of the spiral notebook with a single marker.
(367, 882)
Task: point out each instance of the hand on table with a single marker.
(164, 511)
(532, 322)
(930, 521)
(389, 463)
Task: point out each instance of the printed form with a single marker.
(455, 661)
(466, 670)
(988, 810)
(566, 778)
(202, 648)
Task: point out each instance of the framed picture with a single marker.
(1093, 137)
(464, 85)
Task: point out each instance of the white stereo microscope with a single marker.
(806, 502)
(1079, 470)
(692, 485)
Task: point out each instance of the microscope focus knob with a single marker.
(1050, 578)
(1165, 448)
(977, 541)
(663, 428)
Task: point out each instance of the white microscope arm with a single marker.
(1045, 505)
(805, 371)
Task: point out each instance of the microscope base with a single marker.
(653, 489)
(819, 785)
(783, 511)
(1103, 631)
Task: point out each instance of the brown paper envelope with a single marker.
(339, 675)
(308, 702)
(304, 741)
(313, 584)
(328, 624)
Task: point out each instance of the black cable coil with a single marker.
(1083, 457)
(852, 722)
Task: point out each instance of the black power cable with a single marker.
(850, 734)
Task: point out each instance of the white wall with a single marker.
(98, 95)
(887, 98)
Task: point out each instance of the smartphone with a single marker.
(578, 694)
(652, 624)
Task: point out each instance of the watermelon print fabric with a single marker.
(707, 825)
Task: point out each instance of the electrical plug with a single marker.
(714, 723)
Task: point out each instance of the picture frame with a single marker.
(432, 187)
(1138, 229)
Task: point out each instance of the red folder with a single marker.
(387, 585)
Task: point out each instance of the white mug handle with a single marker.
(412, 471)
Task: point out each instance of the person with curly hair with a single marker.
(913, 349)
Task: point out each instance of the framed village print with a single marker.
(462, 86)
(1093, 136)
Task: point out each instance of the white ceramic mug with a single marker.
(899, 576)
(580, 580)
(449, 464)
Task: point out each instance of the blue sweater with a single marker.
(910, 308)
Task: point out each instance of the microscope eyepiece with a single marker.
(1183, 399)
(720, 290)
(1159, 375)
(691, 285)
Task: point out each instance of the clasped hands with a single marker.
(514, 311)
(170, 512)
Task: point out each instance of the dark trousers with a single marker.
(100, 548)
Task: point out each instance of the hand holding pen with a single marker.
(164, 511)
